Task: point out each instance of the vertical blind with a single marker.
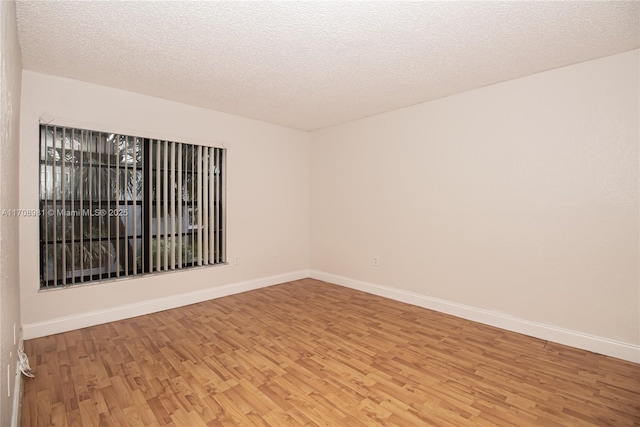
(117, 205)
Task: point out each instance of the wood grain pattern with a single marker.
(308, 353)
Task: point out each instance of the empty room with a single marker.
(319, 213)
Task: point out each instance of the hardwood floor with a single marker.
(309, 353)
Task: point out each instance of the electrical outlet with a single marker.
(376, 261)
(236, 261)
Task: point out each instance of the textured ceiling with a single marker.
(309, 65)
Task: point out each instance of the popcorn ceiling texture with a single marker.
(315, 64)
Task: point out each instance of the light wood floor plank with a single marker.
(308, 353)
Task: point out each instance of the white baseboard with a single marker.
(571, 338)
(600, 345)
(83, 320)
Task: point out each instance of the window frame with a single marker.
(90, 210)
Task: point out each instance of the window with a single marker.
(116, 205)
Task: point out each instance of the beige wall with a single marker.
(519, 199)
(9, 231)
(267, 192)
